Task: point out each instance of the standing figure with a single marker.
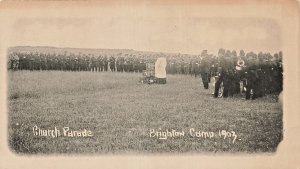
(205, 69)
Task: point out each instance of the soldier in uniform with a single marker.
(130, 64)
(136, 65)
(205, 69)
(186, 67)
(223, 74)
(112, 63)
(142, 65)
(15, 61)
(37, 61)
(121, 62)
(43, 61)
(105, 63)
(252, 76)
(93, 63)
(118, 68)
(277, 72)
(63, 63)
(31, 61)
(76, 67)
(230, 66)
(85, 62)
(126, 63)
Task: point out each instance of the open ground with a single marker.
(121, 112)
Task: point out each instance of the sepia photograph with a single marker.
(150, 78)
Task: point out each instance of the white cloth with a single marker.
(160, 67)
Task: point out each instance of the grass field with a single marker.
(121, 112)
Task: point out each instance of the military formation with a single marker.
(76, 62)
(253, 74)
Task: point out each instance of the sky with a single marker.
(160, 29)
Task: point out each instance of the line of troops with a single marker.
(76, 62)
(258, 74)
(177, 64)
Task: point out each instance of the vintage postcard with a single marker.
(149, 84)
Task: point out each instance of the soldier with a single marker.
(31, 60)
(100, 64)
(130, 63)
(105, 63)
(112, 63)
(173, 66)
(230, 66)
(67, 63)
(126, 63)
(15, 61)
(37, 61)
(93, 63)
(136, 65)
(252, 76)
(85, 62)
(121, 62)
(277, 72)
(76, 66)
(205, 69)
(193, 67)
(223, 75)
(142, 65)
(80, 60)
(63, 63)
(50, 61)
(118, 68)
(280, 72)
(186, 67)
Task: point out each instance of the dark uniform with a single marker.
(105, 63)
(252, 76)
(112, 63)
(205, 70)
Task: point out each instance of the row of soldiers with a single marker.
(257, 74)
(185, 67)
(178, 64)
(89, 62)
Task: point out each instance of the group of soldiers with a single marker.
(253, 74)
(184, 66)
(76, 62)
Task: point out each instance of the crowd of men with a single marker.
(260, 73)
(76, 62)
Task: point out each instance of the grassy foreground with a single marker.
(120, 112)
